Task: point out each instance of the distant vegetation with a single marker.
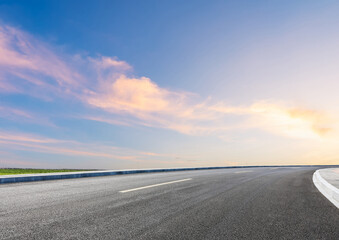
(9, 171)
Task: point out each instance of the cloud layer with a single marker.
(30, 66)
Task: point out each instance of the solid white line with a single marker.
(155, 185)
(243, 171)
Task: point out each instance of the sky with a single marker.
(155, 84)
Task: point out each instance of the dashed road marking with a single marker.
(155, 185)
(243, 171)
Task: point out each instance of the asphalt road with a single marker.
(252, 203)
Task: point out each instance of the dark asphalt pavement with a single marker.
(251, 203)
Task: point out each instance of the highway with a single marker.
(248, 203)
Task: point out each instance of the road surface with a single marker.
(251, 203)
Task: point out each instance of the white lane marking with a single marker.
(274, 168)
(243, 171)
(155, 185)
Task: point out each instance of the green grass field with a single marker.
(10, 171)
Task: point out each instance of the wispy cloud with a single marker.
(110, 62)
(108, 84)
(158, 107)
(23, 55)
(34, 143)
(24, 116)
(10, 112)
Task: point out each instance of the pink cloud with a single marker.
(19, 137)
(132, 94)
(21, 53)
(108, 120)
(109, 62)
(150, 105)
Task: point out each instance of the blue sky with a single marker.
(133, 84)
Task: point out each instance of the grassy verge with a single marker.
(10, 171)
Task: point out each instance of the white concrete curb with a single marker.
(328, 190)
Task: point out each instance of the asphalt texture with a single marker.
(251, 203)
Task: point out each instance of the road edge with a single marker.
(328, 190)
(58, 176)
